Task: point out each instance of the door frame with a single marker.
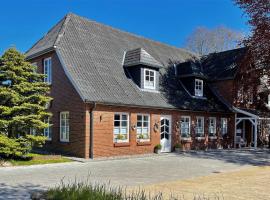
(169, 117)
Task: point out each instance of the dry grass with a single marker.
(246, 184)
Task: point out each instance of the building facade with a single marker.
(115, 93)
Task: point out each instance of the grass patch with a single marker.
(87, 191)
(36, 159)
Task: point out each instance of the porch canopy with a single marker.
(248, 126)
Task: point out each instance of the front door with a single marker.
(165, 133)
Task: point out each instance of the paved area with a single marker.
(17, 182)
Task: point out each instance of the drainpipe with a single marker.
(92, 130)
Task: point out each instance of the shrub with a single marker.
(36, 140)
(158, 146)
(178, 145)
(18, 148)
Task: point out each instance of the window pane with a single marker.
(152, 73)
(123, 130)
(124, 117)
(124, 123)
(116, 117)
(139, 117)
(116, 130)
(116, 123)
(139, 124)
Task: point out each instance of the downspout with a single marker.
(92, 130)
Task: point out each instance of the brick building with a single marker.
(115, 93)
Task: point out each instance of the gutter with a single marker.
(92, 130)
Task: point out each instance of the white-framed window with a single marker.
(224, 126)
(47, 132)
(212, 126)
(185, 126)
(143, 127)
(64, 126)
(47, 67)
(199, 126)
(121, 127)
(198, 87)
(149, 79)
(33, 131)
(250, 96)
(268, 100)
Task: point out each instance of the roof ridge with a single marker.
(133, 34)
(62, 29)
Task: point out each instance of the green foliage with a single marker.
(158, 146)
(88, 191)
(178, 145)
(18, 148)
(23, 95)
(36, 140)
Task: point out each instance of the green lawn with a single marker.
(40, 159)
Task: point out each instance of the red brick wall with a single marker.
(103, 130)
(65, 98)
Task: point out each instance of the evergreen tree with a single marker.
(23, 95)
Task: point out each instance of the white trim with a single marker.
(149, 129)
(68, 74)
(245, 112)
(120, 120)
(49, 129)
(215, 120)
(66, 139)
(144, 80)
(48, 78)
(200, 117)
(169, 117)
(221, 124)
(185, 116)
(198, 92)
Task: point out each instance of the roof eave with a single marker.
(48, 50)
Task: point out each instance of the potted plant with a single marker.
(177, 147)
(157, 148)
(120, 137)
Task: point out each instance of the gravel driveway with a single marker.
(17, 182)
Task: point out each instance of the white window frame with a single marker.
(199, 133)
(142, 127)
(212, 128)
(64, 136)
(268, 103)
(144, 79)
(198, 91)
(187, 128)
(47, 132)
(224, 125)
(115, 140)
(47, 70)
(33, 131)
(250, 96)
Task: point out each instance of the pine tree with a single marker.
(23, 95)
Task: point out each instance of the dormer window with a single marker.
(149, 79)
(198, 87)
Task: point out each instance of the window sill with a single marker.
(121, 144)
(212, 137)
(143, 143)
(186, 139)
(200, 138)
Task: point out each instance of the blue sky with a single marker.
(23, 22)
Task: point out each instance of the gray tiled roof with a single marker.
(140, 56)
(93, 56)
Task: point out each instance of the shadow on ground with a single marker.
(20, 191)
(241, 157)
